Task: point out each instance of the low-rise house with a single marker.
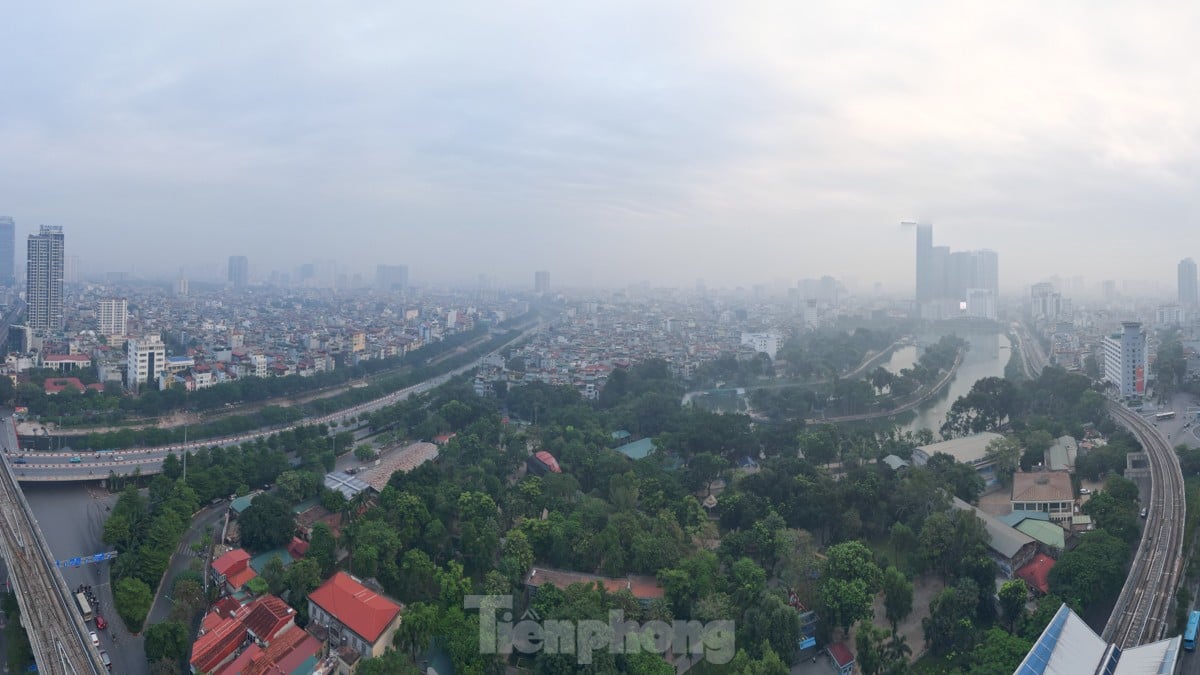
(1048, 491)
(229, 629)
(232, 571)
(1009, 547)
(355, 616)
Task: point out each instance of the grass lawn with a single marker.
(932, 665)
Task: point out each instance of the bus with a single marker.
(85, 608)
(1164, 416)
(1189, 636)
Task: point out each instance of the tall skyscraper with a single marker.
(8, 251)
(926, 288)
(111, 314)
(541, 281)
(44, 279)
(1187, 283)
(239, 271)
(391, 277)
(949, 281)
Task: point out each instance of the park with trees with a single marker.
(842, 541)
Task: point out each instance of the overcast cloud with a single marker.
(609, 141)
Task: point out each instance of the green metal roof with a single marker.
(1044, 531)
(637, 449)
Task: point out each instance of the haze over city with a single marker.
(610, 143)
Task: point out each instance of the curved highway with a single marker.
(92, 465)
(1143, 610)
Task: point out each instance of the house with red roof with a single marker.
(354, 615)
(542, 463)
(232, 570)
(225, 634)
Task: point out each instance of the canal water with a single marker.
(986, 357)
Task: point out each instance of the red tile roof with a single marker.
(297, 548)
(216, 645)
(54, 385)
(549, 460)
(841, 654)
(267, 616)
(231, 561)
(226, 626)
(361, 610)
(287, 653)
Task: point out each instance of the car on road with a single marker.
(101, 624)
(1085, 491)
(20, 460)
(76, 459)
(120, 458)
(95, 639)
(1144, 512)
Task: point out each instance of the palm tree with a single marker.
(896, 654)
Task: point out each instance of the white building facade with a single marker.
(111, 314)
(147, 360)
(1125, 359)
(767, 343)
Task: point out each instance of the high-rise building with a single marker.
(44, 279)
(1187, 283)
(926, 287)
(71, 269)
(391, 277)
(239, 271)
(1047, 302)
(112, 313)
(541, 281)
(8, 251)
(1125, 359)
(147, 359)
(949, 281)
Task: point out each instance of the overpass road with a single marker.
(32, 467)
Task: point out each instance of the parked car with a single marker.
(1144, 512)
(101, 624)
(95, 639)
(1085, 491)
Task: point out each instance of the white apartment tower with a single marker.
(1125, 359)
(147, 360)
(112, 313)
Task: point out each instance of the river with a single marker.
(986, 357)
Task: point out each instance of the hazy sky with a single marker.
(606, 141)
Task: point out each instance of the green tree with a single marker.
(391, 662)
(322, 548)
(871, 650)
(898, 596)
(275, 575)
(418, 628)
(1013, 595)
(132, 598)
(302, 576)
(268, 523)
(998, 653)
(950, 626)
(364, 452)
(187, 598)
(166, 640)
(1005, 453)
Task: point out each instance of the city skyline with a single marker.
(611, 142)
